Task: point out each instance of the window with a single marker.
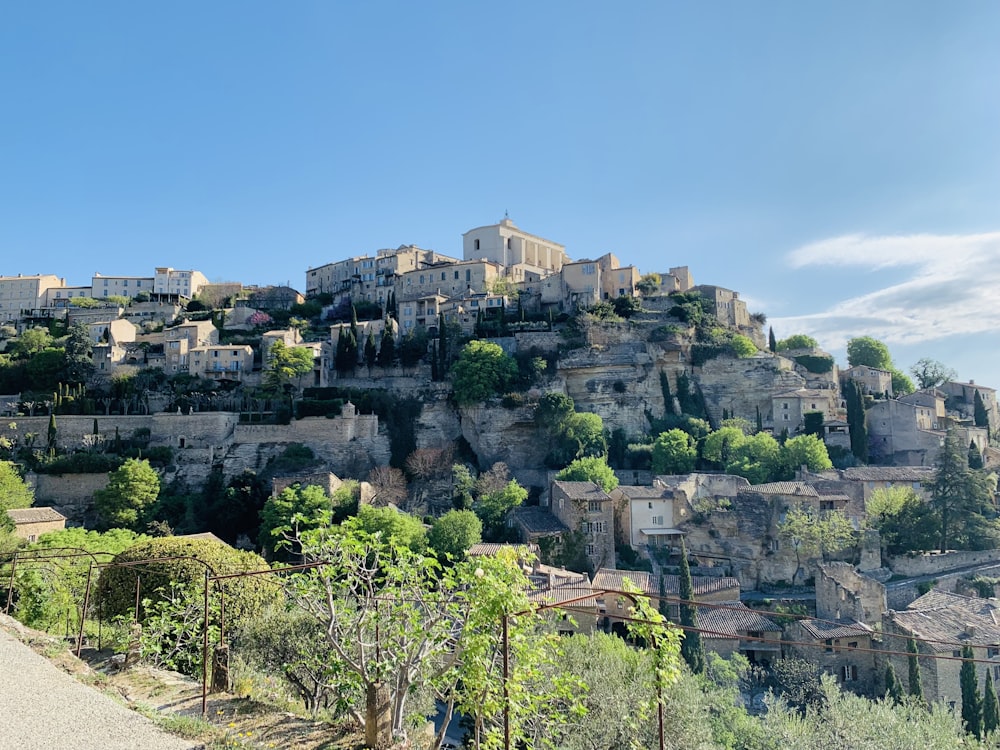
(784, 417)
(657, 520)
(476, 244)
(456, 275)
(587, 270)
(829, 645)
(468, 275)
(993, 652)
(849, 673)
(784, 405)
(826, 504)
(650, 505)
(594, 506)
(591, 550)
(508, 243)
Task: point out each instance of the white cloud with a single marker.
(952, 290)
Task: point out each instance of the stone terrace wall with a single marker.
(199, 429)
(73, 494)
(934, 563)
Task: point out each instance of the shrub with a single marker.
(244, 596)
(815, 363)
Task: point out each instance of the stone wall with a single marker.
(932, 563)
(72, 494)
(741, 386)
(843, 592)
(546, 341)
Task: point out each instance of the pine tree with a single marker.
(772, 343)
(893, 690)
(916, 689)
(692, 648)
(972, 706)
(991, 707)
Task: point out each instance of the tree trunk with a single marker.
(378, 716)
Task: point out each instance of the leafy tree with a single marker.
(14, 491)
(287, 515)
(129, 496)
(972, 706)
(809, 533)
(234, 509)
(392, 525)
(991, 708)
(692, 649)
(756, 458)
(719, 445)
(804, 450)
(893, 690)
(916, 689)
(286, 364)
(901, 384)
(929, 373)
(590, 469)
(868, 352)
(674, 452)
(648, 284)
(462, 484)
(33, 341)
(813, 423)
(454, 533)
(797, 341)
(482, 371)
(856, 424)
(493, 507)
(742, 346)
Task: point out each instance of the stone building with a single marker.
(508, 246)
(586, 508)
(844, 649)
(31, 523)
(873, 381)
(19, 293)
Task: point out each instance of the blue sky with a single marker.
(836, 163)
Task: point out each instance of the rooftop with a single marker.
(38, 514)
(735, 620)
(890, 473)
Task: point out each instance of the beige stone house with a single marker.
(873, 381)
(645, 517)
(31, 523)
(942, 623)
(844, 649)
(788, 409)
(732, 627)
(586, 508)
(220, 362)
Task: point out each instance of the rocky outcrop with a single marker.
(741, 386)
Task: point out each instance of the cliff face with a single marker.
(741, 386)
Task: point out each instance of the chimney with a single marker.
(970, 630)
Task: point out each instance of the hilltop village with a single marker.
(626, 412)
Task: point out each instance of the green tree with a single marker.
(719, 445)
(286, 364)
(961, 499)
(33, 341)
(129, 496)
(14, 491)
(913, 665)
(804, 450)
(972, 706)
(742, 346)
(981, 416)
(590, 469)
(810, 534)
(454, 533)
(291, 512)
(692, 649)
(79, 354)
(371, 350)
(392, 525)
(493, 507)
(893, 690)
(648, 284)
(756, 458)
(901, 384)
(483, 370)
(991, 707)
(387, 347)
(772, 343)
(975, 457)
(856, 424)
(929, 373)
(868, 352)
(674, 452)
(797, 341)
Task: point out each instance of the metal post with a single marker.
(506, 688)
(83, 612)
(10, 587)
(204, 655)
(138, 579)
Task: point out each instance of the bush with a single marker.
(81, 463)
(244, 596)
(314, 407)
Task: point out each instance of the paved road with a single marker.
(43, 708)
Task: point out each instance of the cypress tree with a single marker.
(991, 707)
(772, 343)
(979, 412)
(975, 457)
(893, 690)
(856, 421)
(371, 350)
(52, 431)
(668, 399)
(442, 348)
(972, 707)
(760, 421)
(692, 648)
(387, 350)
(916, 689)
